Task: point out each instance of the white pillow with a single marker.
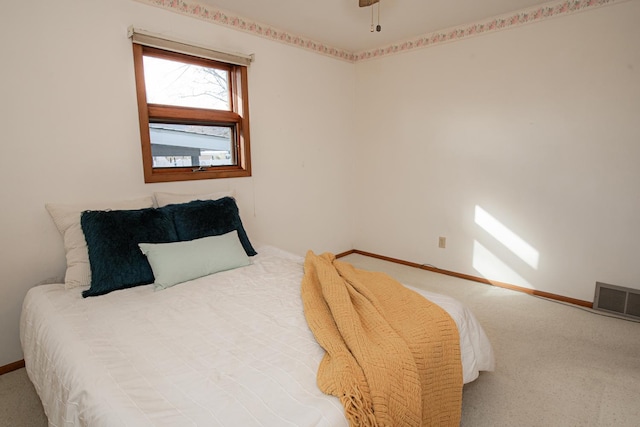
(67, 220)
(164, 199)
(178, 262)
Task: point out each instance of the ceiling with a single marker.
(342, 24)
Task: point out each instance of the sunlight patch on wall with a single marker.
(508, 238)
(490, 266)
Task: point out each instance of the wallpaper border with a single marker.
(501, 22)
(510, 20)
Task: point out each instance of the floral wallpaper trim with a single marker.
(535, 14)
(502, 22)
(221, 17)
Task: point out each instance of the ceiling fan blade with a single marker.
(365, 3)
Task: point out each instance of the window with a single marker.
(194, 116)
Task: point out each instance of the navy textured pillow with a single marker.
(112, 239)
(204, 218)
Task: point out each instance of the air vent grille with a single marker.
(633, 304)
(617, 299)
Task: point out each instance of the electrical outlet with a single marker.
(442, 242)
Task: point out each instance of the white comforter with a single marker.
(230, 349)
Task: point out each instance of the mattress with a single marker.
(229, 349)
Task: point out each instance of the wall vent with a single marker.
(617, 299)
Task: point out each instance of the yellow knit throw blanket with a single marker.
(392, 357)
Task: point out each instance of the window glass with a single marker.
(187, 85)
(190, 145)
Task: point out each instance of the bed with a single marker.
(227, 349)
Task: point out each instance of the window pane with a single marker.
(191, 145)
(185, 85)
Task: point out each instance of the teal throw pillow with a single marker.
(204, 218)
(112, 241)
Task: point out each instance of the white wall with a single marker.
(70, 134)
(537, 125)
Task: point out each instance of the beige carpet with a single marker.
(557, 365)
(19, 403)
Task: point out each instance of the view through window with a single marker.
(193, 116)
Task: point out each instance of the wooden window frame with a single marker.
(237, 118)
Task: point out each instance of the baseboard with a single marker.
(343, 254)
(543, 294)
(11, 367)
